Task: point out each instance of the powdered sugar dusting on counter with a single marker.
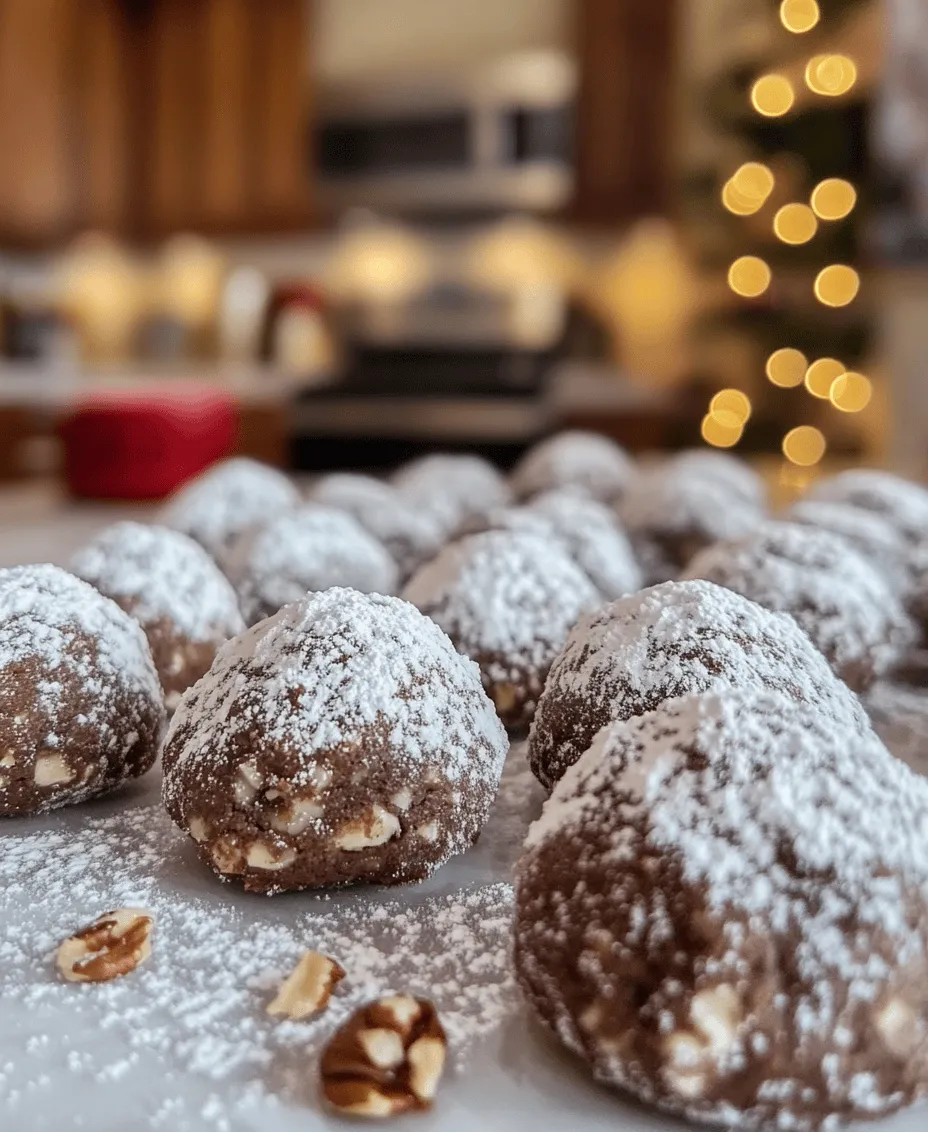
(196, 1011)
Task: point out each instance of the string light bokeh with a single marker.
(800, 16)
(749, 276)
(795, 223)
(773, 95)
(821, 375)
(804, 446)
(787, 368)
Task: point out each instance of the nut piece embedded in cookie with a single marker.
(387, 1059)
(308, 987)
(112, 946)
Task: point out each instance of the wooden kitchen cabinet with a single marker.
(146, 117)
(624, 133)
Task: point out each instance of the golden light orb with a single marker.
(799, 16)
(837, 285)
(851, 392)
(821, 375)
(787, 368)
(721, 430)
(833, 199)
(737, 204)
(795, 224)
(731, 403)
(804, 446)
(754, 180)
(830, 75)
(749, 276)
(773, 95)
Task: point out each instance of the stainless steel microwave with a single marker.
(494, 139)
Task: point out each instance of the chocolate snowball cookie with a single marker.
(586, 529)
(845, 605)
(452, 490)
(217, 506)
(902, 503)
(507, 600)
(585, 463)
(175, 591)
(342, 739)
(871, 535)
(668, 641)
(724, 469)
(670, 515)
(723, 909)
(409, 534)
(80, 704)
(310, 548)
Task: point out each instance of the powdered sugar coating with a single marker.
(507, 600)
(724, 908)
(217, 506)
(899, 711)
(671, 515)
(340, 701)
(668, 641)
(80, 701)
(453, 490)
(588, 531)
(871, 535)
(724, 469)
(310, 548)
(845, 605)
(410, 535)
(586, 463)
(594, 539)
(903, 503)
(916, 588)
(160, 574)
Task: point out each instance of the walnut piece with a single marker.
(387, 1059)
(376, 828)
(112, 946)
(716, 1016)
(51, 770)
(308, 987)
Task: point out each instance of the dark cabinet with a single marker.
(626, 53)
(145, 117)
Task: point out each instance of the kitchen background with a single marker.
(339, 233)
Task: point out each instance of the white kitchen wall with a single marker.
(355, 38)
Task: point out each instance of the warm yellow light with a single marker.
(749, 276)
(795, 224)
(721, 430)
(851, 392)
(787, 368)
(754, 181)
(799, 15)
(378, 262)
(837, 285)
(830, 75)
(519, 252)
(105, 293)
(804, 446)
(773, 95)
(821, 375)
(731, 403)
(736, 203)
(191, 278)
(833, 199)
